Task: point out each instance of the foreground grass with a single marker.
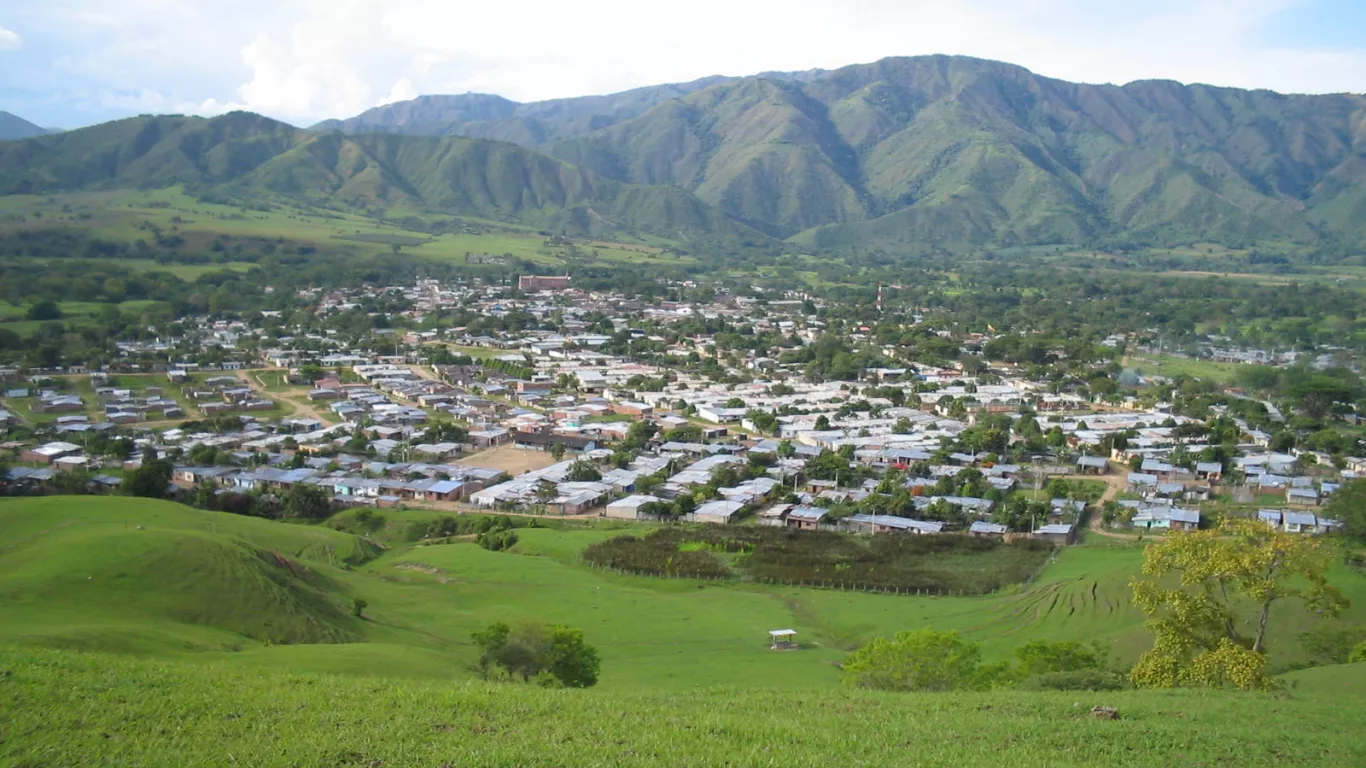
(65, 708)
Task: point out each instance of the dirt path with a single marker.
(1115, 482)
(296, 397)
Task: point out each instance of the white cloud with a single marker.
(10, 40)
(303, 60)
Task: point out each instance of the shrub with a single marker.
(920, 660)
(1076, 680)
(497, 541)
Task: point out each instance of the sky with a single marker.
(69, 63)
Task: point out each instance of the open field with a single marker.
(234, 644)
(65, 709)
(514, 461)
(75, 314)
(134, 576)
(1171, 366)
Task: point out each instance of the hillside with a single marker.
(163, 635)
(66, 708)
(485, 116)
(249, 157)
(955, 153)
(141, 576)
(14, 127)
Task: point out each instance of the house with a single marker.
(50, 452)
(1092, 465)
(1058, 533)
(1212, 471)
(445, 490)
(629, 507)
(1299, 522)
(1139, 481)
(805, 518)
(717, 512)
(542, 441)
(983, 528)
(774, 516)
(1162, 517)
(876, 524)
(1304, 496)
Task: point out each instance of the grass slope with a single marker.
(142, 576)
(73, 709)
(425, 600)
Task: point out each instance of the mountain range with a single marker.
(906, 154)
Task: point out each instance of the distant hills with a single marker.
(14, 127)
(933, 153)
(954, 152)
(249, 156)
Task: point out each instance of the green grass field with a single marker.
(82, 709)
(234, 643)
(1171, 366)
(657, 633)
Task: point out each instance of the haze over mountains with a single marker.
(921, 153)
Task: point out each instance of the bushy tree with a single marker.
(550, 654)
(307, 502)
(919, 660)
(583, 472)
(1348, 506)
(149, 481)
(1196, 587)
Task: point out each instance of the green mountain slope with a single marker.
(14, 127)
(251, 156)
(953, 152)
(485, 116)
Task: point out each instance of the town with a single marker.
(712, 408)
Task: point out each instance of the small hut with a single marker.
(781, 639)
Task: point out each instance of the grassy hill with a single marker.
(209, 587)
(147, 577)
(151, 633)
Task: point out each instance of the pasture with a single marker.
(79, 572)
(63, 708)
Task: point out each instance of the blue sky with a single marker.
(68, 63)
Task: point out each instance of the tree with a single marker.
(1196, 586)
(358, 607)
(45, 310)
(149, 481)
(920, 660)
(583, 472)
(1041, 658)
(557, 451)
(1348, 506)
(553, 655)
(822, 423)
(307, 502)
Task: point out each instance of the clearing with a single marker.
(514, 461)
